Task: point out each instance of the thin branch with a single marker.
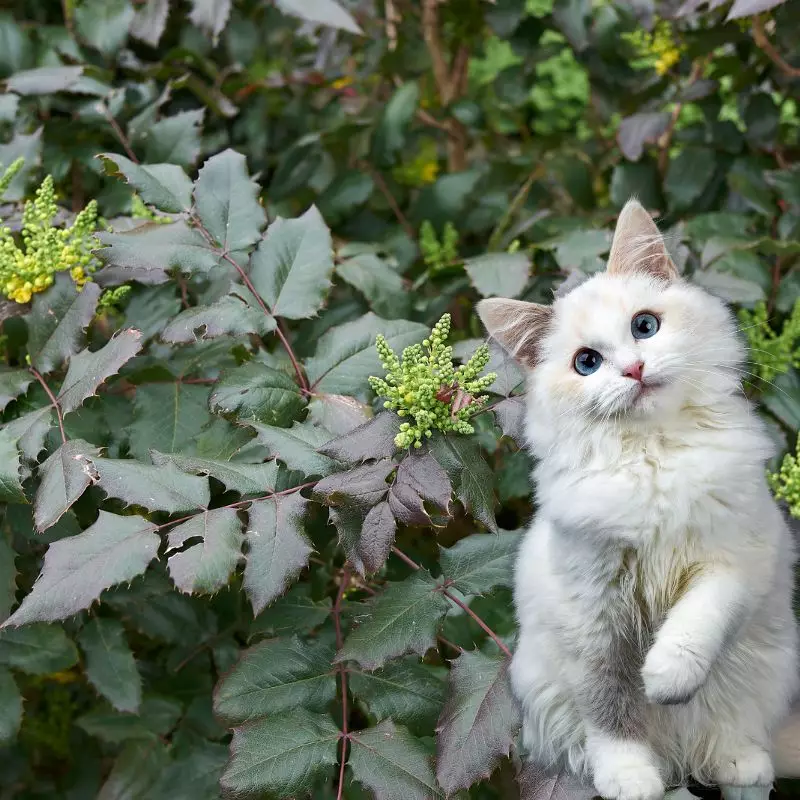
(337, 624)
(53, 402)
(665, 140)
(765, 45)
(120, 134)
(430, 33)
(393, 204)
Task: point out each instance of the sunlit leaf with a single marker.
(210, 16)
(325, 12)
(165, 186)
(229, 316)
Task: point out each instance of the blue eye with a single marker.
(587, 361)
(644, 325)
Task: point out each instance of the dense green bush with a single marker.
(217, 564)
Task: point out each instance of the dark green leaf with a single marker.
(110, 666)
(370, 440)
(10, 468)
(478, 563)
(210, 16)
(378, 282)
(229, 316)
(165, 186)
(297, 446)
(295, 611)
(8, 577)
(235, 475)
(205, 567)
(37, 649)
(176, 139)
(538, 783)
(324, 12)
(88, 370)
(13, 383)
(149, 22)
(57, 321)
(377, 536)
(390, 134)
(291, 269)
(346, 356)
(636, 131)
(157, 716)
(499, 274)
(392, 764)
(256, 391)
(136, 770)
(403, 619)
(76, 570)
(688, 175)
(64, 477)
(274, 677)
(478, 723)
(193, 775)
(277, 548)
(282, 755)
(361, 487)
(226, 199)
(10, 707)
(155, 488)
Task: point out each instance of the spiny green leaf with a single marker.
(478, 563)
(499, 274)
(256, 391)
(10, 468)
(278, 548)
(64, 477)
(346, 356)
(402, 619)
(37, 649)
(165, 186)
(229, 316)
(392, 764)
(206, 567)
(226, 199)
(193, 775)
(44, 80)
(378, 282)
(29, 432)
(150, 21)
(13, 383)
(296, 446)
(377, 536)
(155, 488)
(175, 139)
(373, 439)
(291, 269)
(277, 676)
(76, 570)
(510, 415)
(110, 666)
(103, 24)
(324, 12)
(236, 476)
(337, 413)
(88, 370)
(210, 16)
(361, 487)
(478, 723)
(281, 755)
(135, 771)
(419, 477)
(57, 322)
(10, 707)
(157, 716)
(295, 611)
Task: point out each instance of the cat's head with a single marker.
(632, 341)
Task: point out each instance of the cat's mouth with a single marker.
(646, 389)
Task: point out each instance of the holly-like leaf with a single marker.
(256, 391)
(377, 536)
(276, 676)
(226, 199)
(478, 723)
(29, 432)
(478, 563)
(64, 477)
(110, 666)
(510, 415)
(175, 139)
(165, 186)
(346, 357)
(57, 322)
(210, 16)
(296, 446)
(157, 716)
(10, 707)
(10, 468)
(295, 611)
(277, 548)
(636, 131)
(37, 649)
(281, 755)
(155, 488)
(499, 274)
(76, 570)
(403, 619)
(44, 80)
(748, 8)
(229, 316)
(135, 771)
(236, 476)
(392, 764)
(405, 691)
(420, 477)
(470, 474)
(378, 282)
(13, 383)
(205, 567)
(150, 21)
(88, 370)
(324, 12)
(371, 440)
(337, 413)
(103, 24)
(538, 783)
(193, 774)
(291, 269)
(361, 487)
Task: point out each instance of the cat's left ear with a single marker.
(517, 325)
(638, 246)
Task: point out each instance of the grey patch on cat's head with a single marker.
(575, 278)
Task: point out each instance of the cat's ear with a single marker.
(517, 326)
(638, 246)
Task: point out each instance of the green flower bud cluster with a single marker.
(785, 482)
(140, 210)
(437, 254)
(46, 249)
(10, 174)
(657, 50)
(772, 353)
(425, 387)
(112, 297)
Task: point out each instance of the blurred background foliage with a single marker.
(427, 134)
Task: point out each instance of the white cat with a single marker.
(654, 588)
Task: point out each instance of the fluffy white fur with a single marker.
(656, 543)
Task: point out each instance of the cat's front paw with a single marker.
(672, 673)
(748, 765)
(628, 779)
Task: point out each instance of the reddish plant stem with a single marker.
(337, 625)
(393, 204)
(460, 603)
(763, 43)
(53, 402)
(120, 134)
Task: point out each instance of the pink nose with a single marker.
(634, 370)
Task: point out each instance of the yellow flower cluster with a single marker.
(657, 50)
(785, 482)
(422, 169)
(46, 249)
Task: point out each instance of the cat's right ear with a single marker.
(518, 326)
